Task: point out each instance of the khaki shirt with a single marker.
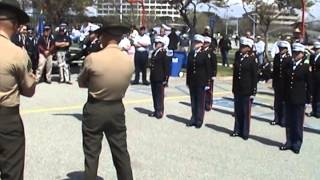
(107, 73)
(15, 68)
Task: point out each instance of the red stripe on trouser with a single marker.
(249, 113)
(162, 98)
(203, 103)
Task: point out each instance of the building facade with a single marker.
(153, 9)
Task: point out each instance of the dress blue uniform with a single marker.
(315, 65)
(198, 78)
(159, 74)
(280, 66)
(244, 86)
(298, 93)
(213, 73)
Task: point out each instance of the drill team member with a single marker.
(244, 87)
(298, 91)
(16, 79)
(46, 48)
(159, 74)
(281, 64)
(198, 79)
(63, 43)
(107, 75)
(213, 60)
(315, 65)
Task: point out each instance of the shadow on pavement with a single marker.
(185, 103)
(310, 130)
(78, 175)
(76, 115)
(219, 128)
(265, 141)
(177, 118)
(143, 110)
(261, 140)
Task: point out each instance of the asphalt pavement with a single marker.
(165, 149)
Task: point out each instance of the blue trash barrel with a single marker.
(178, 61)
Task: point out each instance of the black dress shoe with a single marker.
(245, 138)
(189, 124)
(310, 114)
(234, 134)
(134, 82)
(146, 83)
(273, 123)
(284, 147)
(296, 151)
(152, 114)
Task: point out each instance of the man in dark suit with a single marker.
(32, 49)
(315, 66)
(159, 75)
(298, 91)
(213, 66)
(198, 79)
(244, 87)
(281, 64)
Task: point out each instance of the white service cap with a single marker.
(159, 39)
(283, 44)
(199, 38)
(298, 47)
(316, 45)
(246, 41)
(207, 39)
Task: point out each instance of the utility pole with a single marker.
(121, 12)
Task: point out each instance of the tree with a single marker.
(56, 10)
(267, 13)
(185, 7)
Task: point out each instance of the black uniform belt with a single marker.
(9, 110)
(94, 100)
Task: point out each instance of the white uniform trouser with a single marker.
(44, 63)
(63, 66)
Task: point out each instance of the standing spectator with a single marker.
(260, 49)
(133, 32)
(236, 40)
(174, 40)
(225, 46)
(184, 44)
(19, 38)
(32, 49)
(142, 43)
(126, 45)
(214, 42)
(63, 43)
(166, 39)
(46, 47)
